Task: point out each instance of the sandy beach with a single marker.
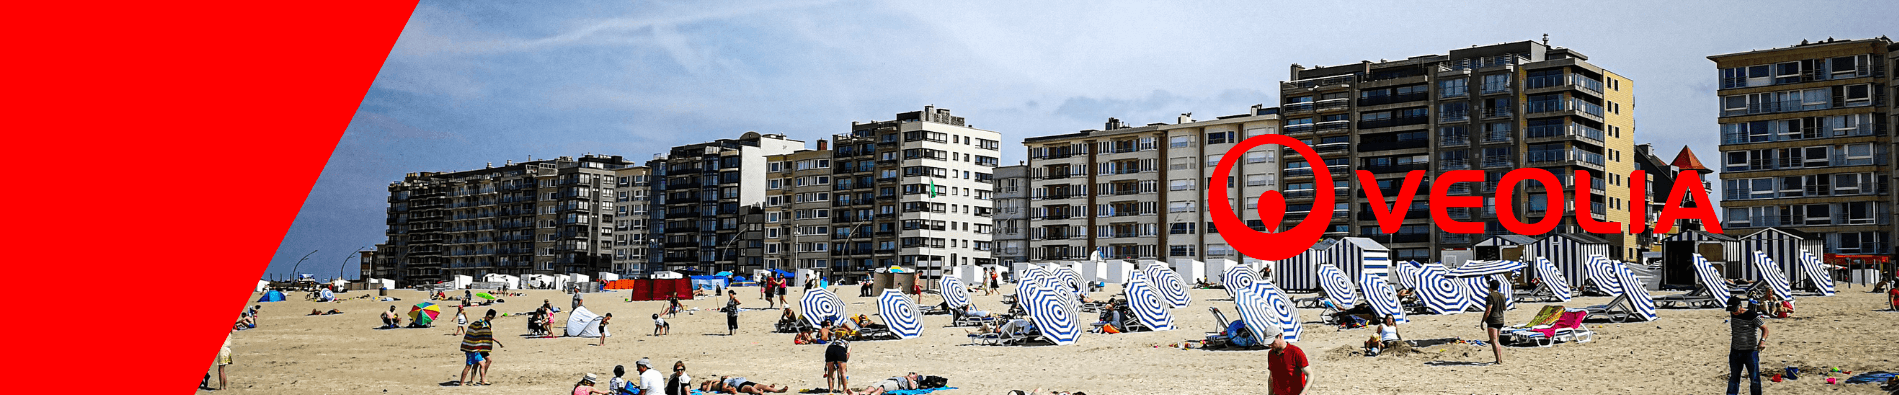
(1683, 352)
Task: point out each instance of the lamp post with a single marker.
(345, 264)
(293, 267)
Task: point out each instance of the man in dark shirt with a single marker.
(731, 313)
(1745, 351)
(1288, 371)
(1493, 318)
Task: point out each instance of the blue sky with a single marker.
(473, 82)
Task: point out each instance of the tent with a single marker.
(1193, 271)
(1297, 273)
(583, 323)
(1116, 271)
(1501, 248)
(272, 296)
(511, 282)
(462, 281)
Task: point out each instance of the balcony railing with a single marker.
(1564, 105)
(1565, 130)
(1389, 99)
(1312, 83)
(1390, 122)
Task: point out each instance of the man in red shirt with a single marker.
(1290, 374)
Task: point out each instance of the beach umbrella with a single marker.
(1147, 303)
(1485, 268)
(954, 293)
(819, 305)
(1381, 296)
(1603, 275)
(1264, 309)
(1406, 273)
(1067, 278)
(1030, 278)
(1643, 304)
(1477, 290)
(1172, 288)
(1551, 277)
(1053, 311)
(1711, 281)
(485, 295)
(899, 312)
(424, 313)
(1237, 278)
(1816, 272)
(1440, 293)
(1770, 274)
(1337, 287)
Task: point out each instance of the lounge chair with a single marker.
(1308, 303)
(1014, 332)
(1548, 315)
(1569, 327)
(1712, 291)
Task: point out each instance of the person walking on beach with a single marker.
(224, 359)
(837, 358)
(1287, 368)
(783, 285)
(1493, 318)
(476, 344)
(731, 313)
(461, 321)
(576, 299)
(1745, 351)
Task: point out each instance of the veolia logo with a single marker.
(1270, 245)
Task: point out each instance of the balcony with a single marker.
(1390, 99)
(1571, 80)
(1576, 105)
(1565, 131)
(1456, 140)
(1322, 105)
(1453, 116)
(1557, 157)
(1320, 83)
(1393, 122)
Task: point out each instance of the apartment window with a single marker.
(1452, 87)
(1180, 250)
(1213, 160)
(1181, 141)
(1258, 156)
(1220, 138)
(1178, 228)
(1496, 83)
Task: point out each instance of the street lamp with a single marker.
(345, 264)
(293, 268)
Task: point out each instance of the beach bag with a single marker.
(929, 382)
(1109, 329)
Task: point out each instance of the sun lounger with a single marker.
(1568, 327)
(1543, 319)
(1712, 290)
(1308, 303)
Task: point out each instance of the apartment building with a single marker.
(1494, 108)
(914, 191)
(1662, 176)
(1806, 142)
(1138, 192)
(1012, 207)
(707, 190)
(536, 217)
(633, 239)
(799, 203)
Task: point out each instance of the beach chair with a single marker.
(961, 319)
(1569, 327)
(1618, 310)
(1712, 289)
(1013, 332)
(1308, 303)
(1699, 298)
(1543, 319)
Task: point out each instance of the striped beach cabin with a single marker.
(1784, 247)
(1300, 273)
(1502, 247)
(1358, 256)
(1678, 264)
(1569, 252)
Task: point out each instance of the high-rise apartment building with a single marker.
(802, 193)
(919, 185)
(707, 190)
(1806, 142)
(633, 239)
(537, 217)
(1138, 192)
(1493, 108)
(1012, 207)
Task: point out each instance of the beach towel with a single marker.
(916, 392)
(1870, 377)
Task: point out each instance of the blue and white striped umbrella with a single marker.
(1067, 277)
(1711, 281)
(1027, 281)
(1603, 275)
(1172, 288)
(1382, 297)
(1638, 295)
(1440, 293)
(1816, 272)
(1337, 287)
(1771, 274)
(1054, 312)
(900, 313)
(1485, 268)
(1263, 309)
(1551, 277)
(1406, 273)
(819, 305)
(1147, 303)
(954, 293)
(1237, 278)
(1478, 290)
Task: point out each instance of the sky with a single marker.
(470, 83)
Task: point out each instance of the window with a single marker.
(1452, 87)
(1220, 138)
(1496, 83)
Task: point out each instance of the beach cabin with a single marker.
(1299, 273)
(1115, 271)
(1016, 270)
(1191, 270)
(1784, 247)
(1569, 252)
(605, 276)
(1678, 265)
(1356, 256)
(1501, 248)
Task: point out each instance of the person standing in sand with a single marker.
(476, 344)
(1493, 318)
(731, 313)
(224, 359)
(1744, 318)
(1287, 368)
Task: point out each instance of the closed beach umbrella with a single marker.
(1603, 275)
(1337, 287)
(954, 293)
(1237, 278)
(1147, 304)
(899, 312)
(1264, 309)
(1381, 296)
(1771, 274)
(1816, 272)
(1551, 277)
(1711, 281)
(424, 313)
(819, 305)
(1171, 287)
(1485, 268)
(1054, 313)
(1639, 299)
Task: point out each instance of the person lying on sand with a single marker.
(331, 312)
(739, 385)
(904, 382)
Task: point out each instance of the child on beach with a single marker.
(603, 328)
(660, 327)
(461, 321)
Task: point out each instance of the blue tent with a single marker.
(783, 273)
(272, 296)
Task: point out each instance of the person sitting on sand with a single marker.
(1892, 297)
(904, 382)
(806, 337)
(585, 386)
(1386, 338)
(739, 385)
(391, 320)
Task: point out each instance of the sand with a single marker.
(1683, 352)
